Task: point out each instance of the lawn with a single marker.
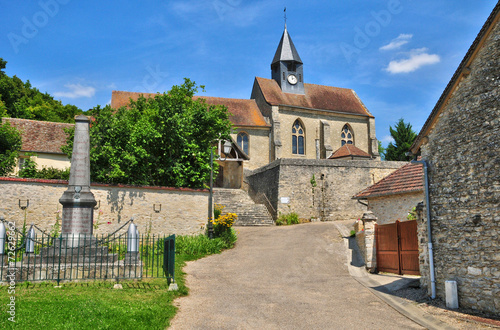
(145, 304)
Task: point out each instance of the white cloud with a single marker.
(387, 139)
(401, 40)
(418, 58)
(76, 91)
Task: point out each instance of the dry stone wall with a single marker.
(464, 177)
(183, 211)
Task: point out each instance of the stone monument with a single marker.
(78, 201)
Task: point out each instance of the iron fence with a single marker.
(42, 257)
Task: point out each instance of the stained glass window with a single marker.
(346, 137)
(242, 141)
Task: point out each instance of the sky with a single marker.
(397, 55)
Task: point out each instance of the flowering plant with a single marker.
(222, 223)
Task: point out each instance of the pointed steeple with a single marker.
(287, 67)
(286, 50)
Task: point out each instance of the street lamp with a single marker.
(227, 150)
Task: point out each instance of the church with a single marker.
(287, 117)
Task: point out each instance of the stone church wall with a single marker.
(311, 122)
(287, 184)
(258, 145)
(183, 211)
(464, 171)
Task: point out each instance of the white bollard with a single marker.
(3, 236)
(451, 294)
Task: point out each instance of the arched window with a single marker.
(346, 137)
(298, 137)
(242, 141)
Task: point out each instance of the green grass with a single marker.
(145, 304)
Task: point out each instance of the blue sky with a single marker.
(398, 55)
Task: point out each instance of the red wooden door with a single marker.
(397, 248)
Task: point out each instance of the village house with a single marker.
(460, 143)
(43, 139)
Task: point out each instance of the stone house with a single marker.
(44, 139)
(460, 143)
(393, 197)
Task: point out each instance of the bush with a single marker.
(288, 219)
(30, 171)
(201, 245)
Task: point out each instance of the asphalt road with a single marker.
(288, 277)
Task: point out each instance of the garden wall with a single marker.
(183, 211)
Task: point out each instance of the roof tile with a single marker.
(349, 150)
(244, 112)
(316, 97)
(406, 179)
(40, 136)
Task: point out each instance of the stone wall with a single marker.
(287, 184)
(464, 178)
(389, 209)
(183, 211)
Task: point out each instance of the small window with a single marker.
(300, 77)
(346, 136)
(283, 76)
(298, 138)
(242, 141)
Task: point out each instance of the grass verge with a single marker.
(145, 304)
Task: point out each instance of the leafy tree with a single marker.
(165, 140)
(403, 137)
(381, 150)
(19, 99)
(10, 145)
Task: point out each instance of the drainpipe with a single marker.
(429, 234)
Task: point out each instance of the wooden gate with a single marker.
(397, 248)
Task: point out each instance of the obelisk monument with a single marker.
(78, 201)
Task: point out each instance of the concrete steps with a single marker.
(237, 201)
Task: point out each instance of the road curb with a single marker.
(403, 307)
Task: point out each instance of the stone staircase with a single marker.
(237, 201)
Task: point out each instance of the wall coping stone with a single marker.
(371, 163)
(96, 184)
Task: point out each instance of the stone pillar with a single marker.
(369, 221)
(78, 201)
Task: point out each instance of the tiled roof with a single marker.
(316, 97)
(408, 178)
(244, 112)
(462, 68)
(349, 150)
(40, 136)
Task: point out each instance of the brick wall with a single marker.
(183, 211)
(464, 177)
(331, 199)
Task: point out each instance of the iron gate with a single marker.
(397, 248)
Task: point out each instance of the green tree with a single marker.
(403, 137)
(19, 99)
(10, 145)
(381, 150)
(165, 140)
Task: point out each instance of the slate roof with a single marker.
(286, 50)
(406, 179)
(461, 70)
(316, 97)
(40, 136)
(245, 113)
(349, 150)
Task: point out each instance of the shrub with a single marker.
(222, 223)
(30, 171)
(288, 219)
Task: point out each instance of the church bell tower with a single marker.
(287, 67)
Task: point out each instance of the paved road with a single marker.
(289, 277)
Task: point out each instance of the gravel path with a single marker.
(290, 277)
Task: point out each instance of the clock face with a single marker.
(292, 79)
